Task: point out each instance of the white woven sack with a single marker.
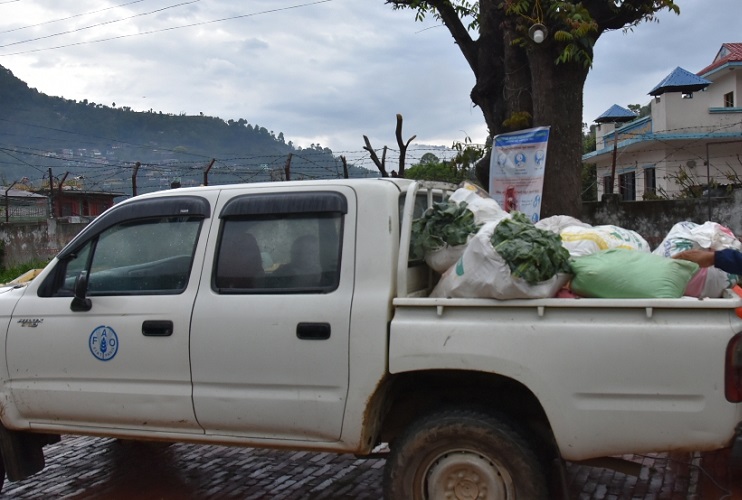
(485, 209)
(556, 223)
(441, 259)
(482, 273)
(588, 240)
(687, 235)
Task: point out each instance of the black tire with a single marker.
(463, 455)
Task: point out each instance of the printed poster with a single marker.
(517, 170)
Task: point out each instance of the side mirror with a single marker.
(81, 303)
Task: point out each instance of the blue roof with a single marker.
(680, 80)
(615, 114)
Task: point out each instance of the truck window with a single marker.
(146, 256)
(279, 253)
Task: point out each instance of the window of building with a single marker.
(650, 180)
(627, 186)
(729, 100)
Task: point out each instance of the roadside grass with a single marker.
(10, 273)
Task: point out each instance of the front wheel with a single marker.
(463, 455)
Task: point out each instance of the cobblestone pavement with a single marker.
(81, 468)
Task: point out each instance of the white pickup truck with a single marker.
(287, 315)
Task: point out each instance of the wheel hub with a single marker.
(465, 475)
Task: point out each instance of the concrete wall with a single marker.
(651, 219)
(35, 241)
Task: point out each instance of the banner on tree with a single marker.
(517, 170)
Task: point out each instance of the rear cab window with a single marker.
(280, 243)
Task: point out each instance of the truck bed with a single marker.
(646, 369)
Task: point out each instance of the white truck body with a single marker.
(346, 362)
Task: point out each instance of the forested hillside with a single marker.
(96, 146)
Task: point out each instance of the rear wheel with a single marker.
(463, 455)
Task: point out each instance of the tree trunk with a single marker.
(522, 85)
(557, 102)
(488, 91)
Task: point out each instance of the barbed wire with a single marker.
(313, 162)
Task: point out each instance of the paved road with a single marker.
(95, 468)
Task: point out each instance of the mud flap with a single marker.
(735, 457)
(22, 452)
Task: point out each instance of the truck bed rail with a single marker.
(408, 213)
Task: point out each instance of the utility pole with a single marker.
(51, 194)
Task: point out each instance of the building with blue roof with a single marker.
(694, 118)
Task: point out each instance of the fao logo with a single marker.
(103, 343)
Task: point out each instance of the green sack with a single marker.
(629, 274)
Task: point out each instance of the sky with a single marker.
(322, 72)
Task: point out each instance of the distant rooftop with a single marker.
(615, 114)
(730, 54)
(680, 80)
(19, 193)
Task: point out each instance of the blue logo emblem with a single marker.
(103, 343)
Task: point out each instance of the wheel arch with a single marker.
(412, 395)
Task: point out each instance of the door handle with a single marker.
(157, 328)
(313, 331)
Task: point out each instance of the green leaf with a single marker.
(445, 223)
(531, 253)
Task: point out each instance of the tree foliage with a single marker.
(521, 83)
(455, 170)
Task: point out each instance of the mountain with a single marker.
(98, 145)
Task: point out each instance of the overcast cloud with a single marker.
(323, 72)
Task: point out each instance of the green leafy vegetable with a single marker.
(533, 254)
(445, 223)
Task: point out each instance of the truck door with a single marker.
(117, 355)
(269, 338)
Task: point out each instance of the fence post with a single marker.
(287, 168)
(206, 172)
(134, 179)
(7, 203)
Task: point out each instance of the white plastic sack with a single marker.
(687, 235)
(556, 223)
(483, 207)
(481, 272)
(579, 240)
(710, 282)
(443, 258)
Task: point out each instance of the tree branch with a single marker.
(452, 21)
(402, 145)
(610, 17)
(374, 157)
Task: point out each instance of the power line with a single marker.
(68, 17)
(172, 28)
(141, 14)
